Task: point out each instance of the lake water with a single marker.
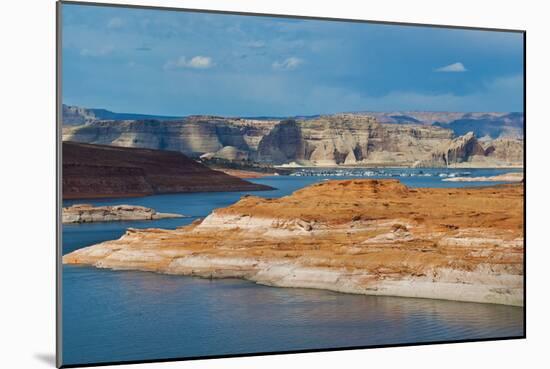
(125, 315)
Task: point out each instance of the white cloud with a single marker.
(288, 64)
(453, 68)
(115, 23)
(200, 62)
(196, 62)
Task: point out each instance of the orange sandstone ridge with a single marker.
(375, 237)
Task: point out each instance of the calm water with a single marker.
(123, 315)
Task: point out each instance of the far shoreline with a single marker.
(247, 174)
(138, 195)
(377, 166)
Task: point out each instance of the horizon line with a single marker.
(295, 115)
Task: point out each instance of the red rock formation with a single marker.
(91, 171)
(375, 237)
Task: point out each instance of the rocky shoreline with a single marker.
(374, 237)
(507, 177)
(246, 174)
(86, 213)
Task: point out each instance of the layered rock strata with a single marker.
(340, 139)
(469, 151)
(374, 237)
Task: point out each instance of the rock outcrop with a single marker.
(92, 171)
(467, 150)
(459, 150)
(282, 144)
(86, 213)
(193, 136)
(349, 139)
(373, 237)
(505, 150)
(76, 115)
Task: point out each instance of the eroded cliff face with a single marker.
(283, 144)
(358, 236)
(507, 150)
(191, 137)
(351, 140)
(459, 150)
(76, 115)
(467, 150)
(341, 139)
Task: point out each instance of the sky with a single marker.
(182, 63)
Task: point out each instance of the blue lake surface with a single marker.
(125, 315)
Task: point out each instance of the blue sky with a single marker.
(180, 63)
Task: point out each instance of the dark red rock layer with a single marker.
(92, 171)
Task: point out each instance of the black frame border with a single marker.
(58, 154)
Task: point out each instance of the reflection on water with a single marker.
(125, 315)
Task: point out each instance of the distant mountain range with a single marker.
(506, 125)
(490, 124)
(76, 115)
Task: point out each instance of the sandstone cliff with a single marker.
(458, 150)
(358, 236)
(91, 171)
(505, 150)
(76, 115)
(349, 139)
(193, 136)
(85, 213)
(283, 144)
(340, 139)
(468, 150)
